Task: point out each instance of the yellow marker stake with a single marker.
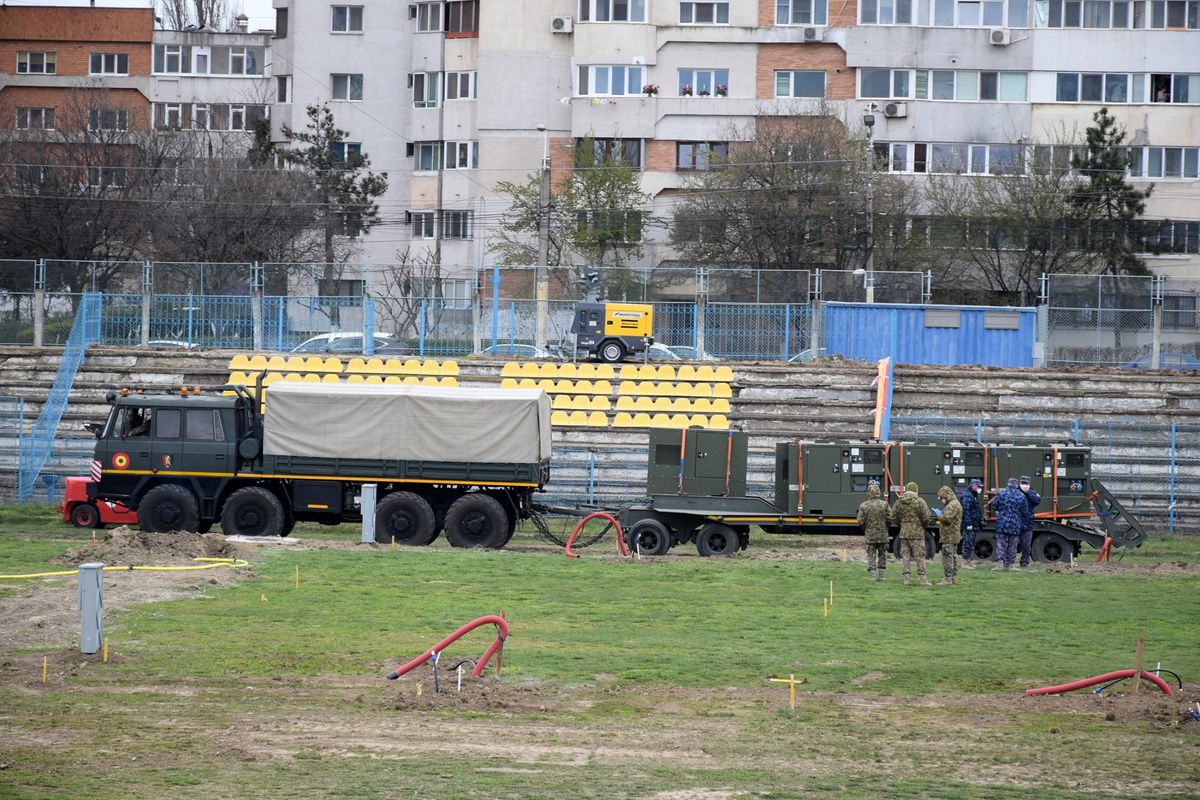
(104, 652)
(831, 593)
(45, 669)
(297, 576)
(393, 542)
(791, 681)
(418, 690)
(262, 598)
(825, 604)
(844, 554)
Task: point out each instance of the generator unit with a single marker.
(612, 331)
(933, 465)
(697, 462)
(827, 479)
(1059, 473)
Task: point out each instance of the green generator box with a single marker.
(828, 479)
(1065, 467)
(934, 465)
(697, 462)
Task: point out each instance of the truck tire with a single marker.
(650, 537)
(985, 545)
(717, 539)
(405, 516)
(168, 508)
(252, 511)
(85, 515)
(611, 351)
(476, 520)
(1051, 548)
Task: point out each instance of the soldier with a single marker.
(950, 521)
(873, 517)
(972, 520)
(912, 515)
(1010, 504)
(1033, 499)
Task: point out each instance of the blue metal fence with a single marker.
(756, 331)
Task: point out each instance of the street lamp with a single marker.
(869, 121)
(541, 270)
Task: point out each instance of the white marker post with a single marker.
(91, 607)
(367, 506)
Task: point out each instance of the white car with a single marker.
(340, 342)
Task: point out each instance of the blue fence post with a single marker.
(495, 308)
(282, 318)
(979, 430)
(421, 330)
(369, 326)
(190, 319)
(1171, 497)
(1077, 439)
(512, 325)
(787, 330)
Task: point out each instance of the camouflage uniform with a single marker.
(972, 522)
(951, 524)
(1032, 500)
(912, 515)
(873, 517)
(1009, 506)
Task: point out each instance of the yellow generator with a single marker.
(613, 331)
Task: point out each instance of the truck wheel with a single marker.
(252, 511)
(649, 536)
(717, 539)
(1051, 548)
(406, 516)
(612, 351)
(204, 526)
(168, 508)
(476, 520)
(85, 515)
(289, 524)
(985, 546)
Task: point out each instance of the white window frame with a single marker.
(201, 60)
(168, 110)
(431, 152)
(423, 224)
(249, 58)
(49, 65)
(429, 18)
(347, 78)
(716, 9)
(238, 110)
(791, 83)
(892, 76)
(427, 89)
(105, 177)
(1143, 157)
(108, 64)
(594, 10)
(590, 75)
(283, 88)
(694, 75)
(888, 12)
(201, 116)
(456, 79)
(96, 119)
(27, 114)
(342, 149)
(348, 11)
(457, 224)
(700, 163)
(787, 11)
(164, 53)
(457, 292)
(463, 154)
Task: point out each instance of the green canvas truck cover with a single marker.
(407, 423)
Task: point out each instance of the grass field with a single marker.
(620, 679)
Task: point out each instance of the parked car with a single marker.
(165, 343)
(690, 353)
(340, 342)
(660, 352)
(518, 350)
(1165, 361)
(807, 355)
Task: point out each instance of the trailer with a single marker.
(461, 460)
(696, 491)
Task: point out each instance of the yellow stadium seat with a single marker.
(648, 372)
(723, 375)
(698, 421)
(666, 372)
(356, 365)
(238, 378)
(311, 378)
(276, 364)
(682, 404)
(258, 363)
(625, 403)
(449, 380)
(329, 377)
(449, 368)
(528, 383)
(568, 371)
(680, 421)
(644, 403)
(597, 419)
(375, 379)
(374, 366)
(664, 404)
(239, 363)
(393, 380)
(602, 387)
(563, 387)
(511, 369)
(661, 421)
(722, 390)
(293, 377)
(687, 373)
(700, 390)
(605, 372)
(393, 366)
(430, 366)
(627, 387)
(411, 366)
(719, 422)
(641, 420)
(529, 369)
(623, 419)
(669, 389)
(333, 364)
(629, 372)
(271, 377)
(547, 370)
(430, 380)
(559, 418)
(508, 383)
(600, 403)
(356, 378)
(545, 384)
(314, 364)
(295, 364)
(562, 402)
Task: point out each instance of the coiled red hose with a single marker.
(1105, 678)
(598, 515)
(501, 635)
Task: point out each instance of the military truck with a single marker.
(697, 491)
(466, 461)
(612, 331)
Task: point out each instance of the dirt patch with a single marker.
(126, 547)
(870, 676)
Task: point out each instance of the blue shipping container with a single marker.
(918, 334)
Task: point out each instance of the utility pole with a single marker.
(542, 270)
(869, 121)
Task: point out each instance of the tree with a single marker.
(177, 15)
(1110, 205)
(344, 189)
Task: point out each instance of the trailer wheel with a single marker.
(252, 511)
(167, 508)
(1051, 548)
(650, 537)
(476, 520)
(717, 539)
(930, 546)
(985, 546)
(85, 515)
(406, 517)
(612, 351)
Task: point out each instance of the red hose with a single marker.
(501, 635)
(1105, 678)
(598, 515)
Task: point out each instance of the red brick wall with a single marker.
(72, 58)
(71, 107)
(660, 156)
(41, 24)
(841, 14)
(839, 79)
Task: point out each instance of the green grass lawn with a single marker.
(663, 659)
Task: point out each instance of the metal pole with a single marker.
(495, 308)
(1171, 498)
(542, 275)
(1156, 323)
(91, 607)
(366, 505)
(190, 318)
(421, 330)
(870, 265)
(39, 302)
(147, 297)
(256, 304)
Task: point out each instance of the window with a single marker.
(341, 287)
(612, 10)
(804, 12)
(166, 423)
(704, 82)
(462, 155)
(609, 81)
(457, 293)
(948, 157)
(108, 119)
(283, 88)
(1175, 88)
(426, 156)
(172, 58)
(800, 83)
(462, 17)
(347, 87)
(347, 151)
(429, 17)
(1179, 311)
(243, 61)
(1170, 14)
(456, 224)
(109, 64)
(106, 177)
(970, 85)
(237, 118)
(460, 85)
(203, 425)
(882, 12)
(703, 13)
(700, 155)
(201, 58)
(347, 19)
(1092, 87)
(885, 83)
(1164, 162)
(36, 63)
(422, 224)
(35, 119)
(200, 117)
(281, 23)
(425, 89)
(168, 115)
(625, 151)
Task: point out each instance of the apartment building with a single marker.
(447, 97)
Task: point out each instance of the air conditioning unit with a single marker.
(561, 24)
(895, 110)
(1001, 37)
(812, 34)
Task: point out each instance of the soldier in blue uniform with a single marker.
(1032, 500)
(972, 520)
(1010, 507)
